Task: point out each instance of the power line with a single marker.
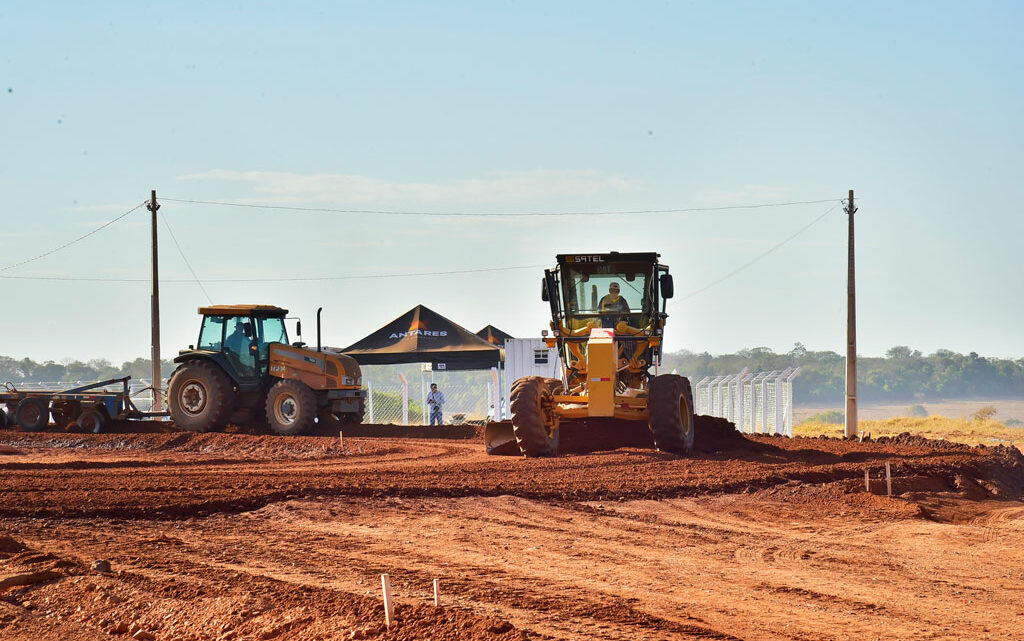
(182, 254)
(273, 280)
(72, 242)
(758, 257)
(497, 215)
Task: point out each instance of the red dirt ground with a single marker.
(251, 536)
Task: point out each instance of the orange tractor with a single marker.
(607, 321)
(243, 367)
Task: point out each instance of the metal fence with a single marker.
(760, 403)
(406, 403)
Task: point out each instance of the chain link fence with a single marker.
(398, 404)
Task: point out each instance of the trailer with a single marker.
(91, 407)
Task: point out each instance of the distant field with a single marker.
(1005, 409)
(959, 430)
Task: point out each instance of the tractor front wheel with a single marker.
(200, 396)
(534, 422)
(670, 405)
(291, 407)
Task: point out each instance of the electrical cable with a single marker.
(756, 258)
(494, 215)
(187, 264)
(272, 280)
(68, 244)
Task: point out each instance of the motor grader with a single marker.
(243, 368)
(607, 321)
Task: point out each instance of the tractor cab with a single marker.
(241, 335)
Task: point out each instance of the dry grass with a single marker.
(959, 430)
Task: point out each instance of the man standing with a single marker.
(435, 399)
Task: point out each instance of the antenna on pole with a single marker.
(851, 333)
(152, 206)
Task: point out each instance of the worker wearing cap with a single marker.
(612, 303)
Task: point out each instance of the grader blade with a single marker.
(500, 439)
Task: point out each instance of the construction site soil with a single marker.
(152, 533)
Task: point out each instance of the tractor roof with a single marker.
(243, 310)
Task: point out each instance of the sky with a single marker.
(512, 108)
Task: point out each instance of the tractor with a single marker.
(243, 367)
(607, 322)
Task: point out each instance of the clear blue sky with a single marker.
(514, 107)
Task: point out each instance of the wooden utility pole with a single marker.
(851, 333)
(155, 309)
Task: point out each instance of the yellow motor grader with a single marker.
(244, 366)
(607, 321)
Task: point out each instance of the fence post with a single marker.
(369, 400)
(498, 393)
(405, 398)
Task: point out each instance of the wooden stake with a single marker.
(867, 481)
(437, 593)
(341, 439)
(389, 611)
(888, 480)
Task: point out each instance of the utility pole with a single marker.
(155, 310)
(851, 333)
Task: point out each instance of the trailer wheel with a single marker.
(92, 420)
(670, 405)
(33, 413)
(291, 407)
(65, 413)
(199, 396)
(534, 422)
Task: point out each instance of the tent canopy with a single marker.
(421, 335)
(494, 336)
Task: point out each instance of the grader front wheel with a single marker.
(534, 422)
(670, 401)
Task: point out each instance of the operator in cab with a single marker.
(612, 306)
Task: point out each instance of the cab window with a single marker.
(212, 333)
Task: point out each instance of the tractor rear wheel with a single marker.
(670, 405)
(200, 396)
(533, 420)
(291, 407)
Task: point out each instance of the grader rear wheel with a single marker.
(670, 401)
(533, 419)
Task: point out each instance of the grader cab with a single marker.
(607, 321)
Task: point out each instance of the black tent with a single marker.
(421, 335)
(494, 336)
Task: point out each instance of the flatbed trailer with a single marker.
(91, 407)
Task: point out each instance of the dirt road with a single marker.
(235, 536)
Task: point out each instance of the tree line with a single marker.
(69, 371)
(904, 374)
